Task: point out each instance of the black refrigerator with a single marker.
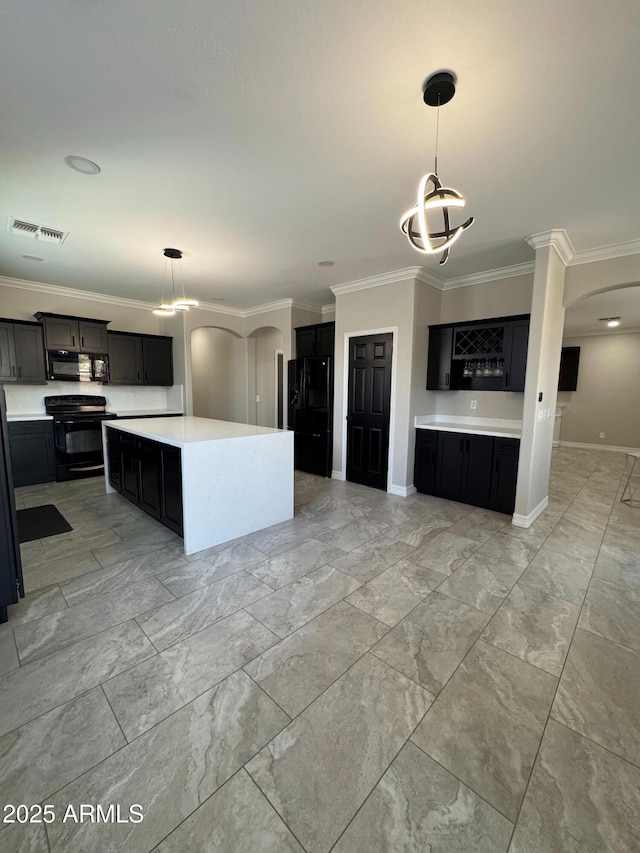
(11, 583)
(311, 413)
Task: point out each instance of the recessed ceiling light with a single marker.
(32, 258)
(326, 263)
(611, 322)
(81, 164)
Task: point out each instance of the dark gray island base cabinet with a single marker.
(480, 470)
(149, 474)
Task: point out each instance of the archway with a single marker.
(266, 377)
(219, 374)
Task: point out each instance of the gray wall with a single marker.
(608, 395)
(219, 375)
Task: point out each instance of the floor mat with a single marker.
(37, 522)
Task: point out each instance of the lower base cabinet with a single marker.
(480, 470)
(149, 474)
(32, 453)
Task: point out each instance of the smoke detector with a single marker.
(37, 232)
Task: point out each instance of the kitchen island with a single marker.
(210, 481)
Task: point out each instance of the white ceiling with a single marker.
(586, 316)
(263, 137)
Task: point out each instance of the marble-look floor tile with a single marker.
(510, 549)
(44, 636)
(429, 644)
(52, 750)
(333, 754)
(284, 536)
(304, 664)
(44, 684)
(8, 652)
(482, 581)
(558, 574)
(537, 532)
(419, 530)
(120, 551)
(119, 575)
(535, 627)
(290, 607)
(334, 512)
(355, 533)
(40, 602)
(599, 694)
(581, 799)
(486, 725)
(479, 524)
(171, 769)
(236, 819)
(24, 838)
(394, 593)
(58, 571)
(180, 619)
(368, 561)
(619, 563)
(419, 806)
(195, 574)
(574, 541)
(612, 611)
(445, 553)
(59, 548)
(290, 565)
(149, 692)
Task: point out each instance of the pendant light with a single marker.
(178, 303)
(432, 195)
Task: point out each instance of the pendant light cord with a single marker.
(435, 167)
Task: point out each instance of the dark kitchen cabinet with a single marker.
(140, 359)
(439, 359)
(32, 453)
(318, 339)
(74, 334)
(483, 355)
(504, 476)
(157, 360)
(569, 363)
(149, 474)
(424, 472)
(476, 469)
(21, 352)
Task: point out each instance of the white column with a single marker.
(553, 253)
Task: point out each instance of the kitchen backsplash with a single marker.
(29, 399)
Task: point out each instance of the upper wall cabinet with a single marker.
(569, 363)
(140, 359)
(74, 334)
(483, 355)
(22, 352)
(318, 339)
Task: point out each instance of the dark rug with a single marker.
(37, 522)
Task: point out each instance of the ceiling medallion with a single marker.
(178, 303)
(432, 195)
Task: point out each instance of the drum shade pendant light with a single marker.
(179, 302)
(432, 196)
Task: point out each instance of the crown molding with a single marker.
(329, 309)
(631, 330)
(91, 296)
(489, 275)
(392, 277)
(219, 309)
(605, 253)
(556, 237)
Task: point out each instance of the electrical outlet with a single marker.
(474, 404)
(601, 435)
(257, 398)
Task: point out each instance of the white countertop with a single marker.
(29, 417)
(499, 427)
(189, 430)
(143, 413)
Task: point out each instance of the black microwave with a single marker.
(77, 366)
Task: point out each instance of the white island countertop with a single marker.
(189, 430)
(499, 427)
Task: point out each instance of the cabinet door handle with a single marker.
(73, 340)
(145, 376)
(446, 379)
(19, 372)
(506, 378)
(13, 370)
(82, 342)
(138, 376)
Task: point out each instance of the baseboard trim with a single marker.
(527, 520)
(612, 448)
(402, 491)
(337, 475)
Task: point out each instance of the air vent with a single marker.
(38, 232)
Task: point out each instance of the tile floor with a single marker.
(379, 674)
